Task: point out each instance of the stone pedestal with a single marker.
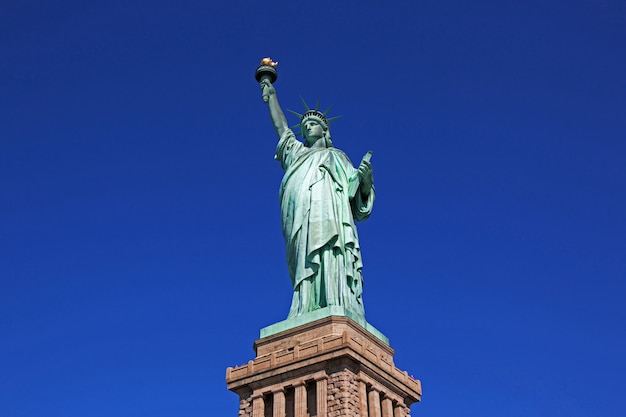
(329, 367)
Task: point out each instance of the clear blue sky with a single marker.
(140, 243)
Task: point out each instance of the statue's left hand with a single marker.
(366, 177)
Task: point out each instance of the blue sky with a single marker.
(140, 243)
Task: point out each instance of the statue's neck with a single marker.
(319, 143)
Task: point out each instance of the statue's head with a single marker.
(316, 117)
(314, 126)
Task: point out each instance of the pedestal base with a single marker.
(329, 367)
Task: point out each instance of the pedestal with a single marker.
(329, 367)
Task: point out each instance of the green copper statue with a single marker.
(321, 196)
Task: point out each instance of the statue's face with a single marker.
(313, 130)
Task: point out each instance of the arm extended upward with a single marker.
(276, 113)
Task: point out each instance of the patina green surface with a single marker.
(321, 196)
(317, 315)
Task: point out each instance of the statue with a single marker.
(321, 196)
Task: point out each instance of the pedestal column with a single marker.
(322, 396)
(400, 411)
(258, 406)
(363, 399)
(374, 403)
(300, 399)
(387, 407)
(279, 403)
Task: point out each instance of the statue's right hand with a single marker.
(268, 89)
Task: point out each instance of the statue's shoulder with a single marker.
(341, 154)
(288, 135)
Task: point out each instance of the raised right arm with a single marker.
(276, 113)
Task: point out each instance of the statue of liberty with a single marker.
(321, 196)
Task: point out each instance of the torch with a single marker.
(266, 71)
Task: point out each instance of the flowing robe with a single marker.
(319, 201)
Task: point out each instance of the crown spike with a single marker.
(295, 113)
(306, 107)
(317, 105)
(327, 110)
(334, 118)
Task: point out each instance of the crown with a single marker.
(313, 114)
